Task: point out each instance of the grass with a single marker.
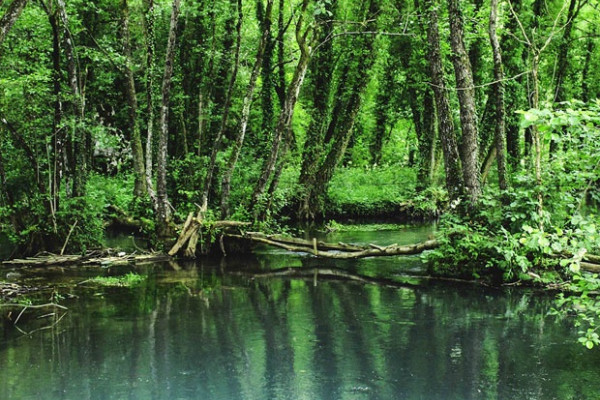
(129, 280)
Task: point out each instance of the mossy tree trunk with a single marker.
(469, 148)
(140, 188)
(163, 209)
(454, 177)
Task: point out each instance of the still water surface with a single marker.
(205, 331)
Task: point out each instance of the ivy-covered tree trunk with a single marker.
(469, 148)
(265, 135)
(79, 167)
(150, 69)
(321, 77)
(164, 212)
(454, 177)
(348, 100)
(515, 95)
(562, 62)
(247, 102)
(56, 158)
(10, 17)
(304, 40)
(585, 72)
(225, 116)
(139, 188)
(499, 133)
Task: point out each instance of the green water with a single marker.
(207, 330)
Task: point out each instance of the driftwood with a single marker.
(191, 230)
(339, 250)
(88, 259)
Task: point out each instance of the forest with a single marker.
(483, 115)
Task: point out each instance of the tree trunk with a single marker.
(10, 17)
(79, 169)
(139, 188)
(466, 96)
(150, 44)
(585, 88)
(239, 140)
(164, 212)
(499, 133)
(224, 118)
(454, 178)
(56, 157)
(562, 62)
(348, 100)
(321, 74)
(515, 95)
(287, 113)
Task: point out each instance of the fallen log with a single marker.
(191, 229)
(329, 250)
(93, 258)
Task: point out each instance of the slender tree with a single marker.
(78, 167)
(226, 108)
(150, 69)
(304, 38)
(239, 138)
(164, 212)
(500, 134)
(140, 188)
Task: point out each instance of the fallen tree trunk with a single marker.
(338, 251)
(191, 230)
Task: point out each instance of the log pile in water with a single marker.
(91, 258)
(191, 231)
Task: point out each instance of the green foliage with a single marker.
(370, 190)
(334, 226)
(128, 280)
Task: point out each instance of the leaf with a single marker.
(589, 344)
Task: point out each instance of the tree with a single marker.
(163, 210)
(469, 148)
(10, 17)
(304, 38)
(140, 188)
(247, 102)
(454, 176)
(500, 134)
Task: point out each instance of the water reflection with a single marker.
(202, 333)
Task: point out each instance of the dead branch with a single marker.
(339, 251)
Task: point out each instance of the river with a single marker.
(209, 330)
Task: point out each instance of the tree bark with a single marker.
(150, 45)
(79, 169)
(225, 116)
(562, 62)
(164, 212)
(321, 76)
(454, 177)
(10, 17)
(247, 102)
(585, 88)
(348, 100)
(139, 188)
(499, 132)
(466, 96)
